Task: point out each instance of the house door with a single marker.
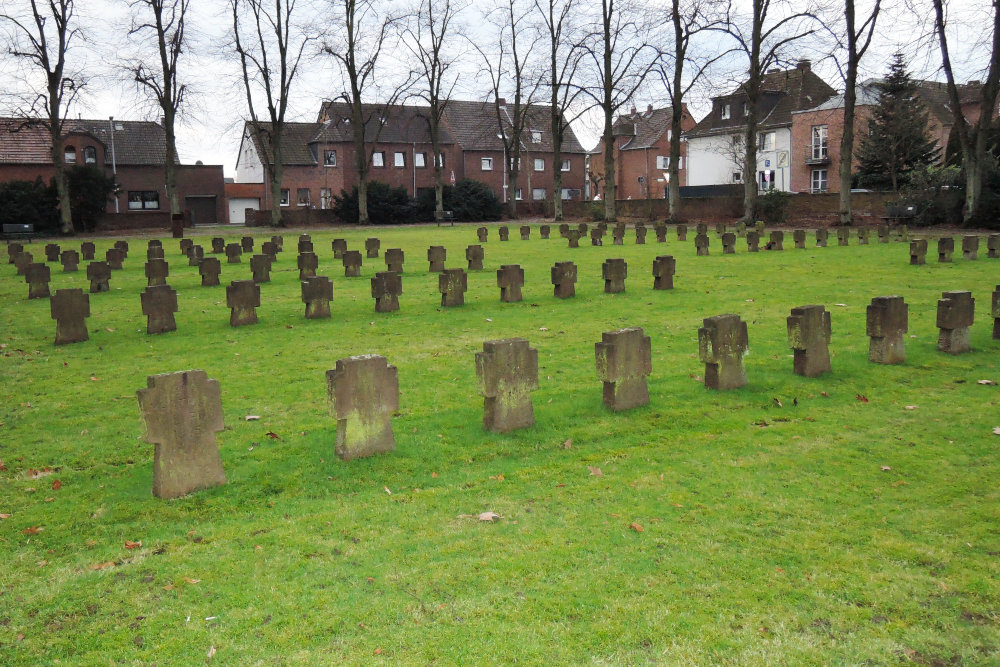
(202, 209)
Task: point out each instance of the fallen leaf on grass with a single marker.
(488, 516)
(911, 407)
(886, 468)
(2, 466)
(272, 435)
(192, 581)
(596, 472)
(102, 566)
(386, 489)
(824, 394)
(5, 516)
(986, 382)
(378, 651)
(129, 544)
(862, 398)
(568, 444)
(94, 378)
(778, 403)
(33, 530)
(169, 587)
(996, 430)
(636, 527)
(56, 485)
(211, 652)
(252, 418)
(498, 478)
(434, 474)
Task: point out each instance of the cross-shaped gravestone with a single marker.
(720, 228)
(352, 263)
(70, 308)
(436, 255)
(822, 235)
(614, 270)
(504, 232)
(339, 248)
(305, 244)
(883, 233)
(563, 229)
(270, 248)
(363, 393)
(234, 253)
(482, 234)
(260, 267)
(597, 236)
(918, 252)
(218, 245)
(946, 246)
(544, 231)
(474, 256)
(114, 257)
(661, 232)
(154, 243)
(624, 359)
(995, 312)
(564, 280)
(843, 236)
(52, 252)
(386, 288)
(799, 237)
(682, 232)
(701, 228)
(317, 293)
(741, 228)
(13, 250)
(195, 254)
(863, 237)
(728, 243)
(664, 268)
(525, 232)
(87, 250)
(902, 233)
(22, 261)
(776, 241)
(157, 271)
(372, 246)
(753, 240)
(887, 321)
(279, 242)
(573, 237)
(185, 245)
(210, 268)
(722, 343)
(159, 303)
(618, 235)
(809, 337)
(243, 299)
(970, 247)
(993, 246)
(37, 276)
(955, 313)
(246, 243)
(123, 246)
(182, 413)
(701, 244)
(308, 262)
(640, 235)
(582, 228)
(508, 373)
(394, 260)
(99, 274)
(453, 284)
(70, 260)
(510, 279)
(154, 252)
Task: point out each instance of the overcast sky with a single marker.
(212, 119)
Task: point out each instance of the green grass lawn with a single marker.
(834, 531)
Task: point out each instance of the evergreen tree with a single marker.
(897, 142)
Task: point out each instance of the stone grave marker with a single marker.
(13, 250)
(993, 246)
(508, 373)
(474, 257)
(151, 243)
(596, 236)
(372, 248)
(903, 233)
(996, 313)
(154, 252)
(614, 270)
(270, 248)
(386, 288)
(157, 271)
(720, 228)
(701, 244)
(799, 237)
(624, 359)
(22, 261)
(504, 232)
(159, 303)
(723, 341)
(843, 236)
(862, 237)
(70, 260)
(510, 279)
(317, 293)
(640, 235)
(352, 263)
(883, 233)
(482, 234)
(760, 226)
(753, 240)
(185, 245)
(70, 308)
(210, 268)
(243, 299)
(918, 252)
(260, 268)
(582, 228)
(218, 245)
(52, 251)
(741, 228)
(195, 255)
(564, 280)
(123, 246)
(99, 275)
(728, 243)
(307, 262)
(661, 233)
(970, 247)
(87, 250)
(305, 244)
(114, 257)
(279, 242)
(664, 268)
(339, 248)
(618, 235)
(453, 284)
(525, 232)
(573, 236)
(246, 243)
(887, 322)
(946, 246)
(394, 260)
(563, 229)
(682, 232)
(436, 256)
(955, 313)
(234, 253)
(809, 337)
(544, 231)
(822, 235)
(363, 393)
(37, 276)
(701, 228)
(776, 241)
(182, 413)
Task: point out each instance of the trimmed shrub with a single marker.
(469, 200)
(387, 205)
(31, 203)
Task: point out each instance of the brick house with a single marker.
(133, 152)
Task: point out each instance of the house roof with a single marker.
(135, 142)
(934, 95)
(295, 142)
(646, 129)
(397, 123)
(474, 126)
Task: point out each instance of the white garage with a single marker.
(238, 207)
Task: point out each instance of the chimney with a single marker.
(649, 109)
(633, 109)
(502, 102)
(804, 65)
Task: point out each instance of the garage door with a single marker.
(238, 207)
(202, 209)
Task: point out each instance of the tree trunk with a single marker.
(610, 187)
(438, 171)
(847, 138)
(512, 177)
(62, 188)
(170, 166)
(674, 168)
(360, 159)
(750, 170)
(557, 209)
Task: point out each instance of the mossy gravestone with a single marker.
(664, 268)
(270, 248)
(260, 268)
(573, 238)
(386, 288)
(970, 247)
(352, 263)
(482, 234)
(339, 248)
(70, 260)
(114, 258)
(87, 250)
(799, 236)
(946, 246)
(525, 232)
(776, 241)
(618, 235)
(504, 232)
(159, 303)
(723, 341)
(564, 280)
(640, 235)
(363, 393)
(210, 268)
(624, 359)
(234, 253)
(887, 322)
(246, 243)
(154, 252)
(52, 252)
(728, 243)
(843, 236)
(615, 271)
(474, 257)
(701, 244)
(13, 250)
(753, 241)
(918, 252)
(317, 293)
(22, 261)
(182, 413)
(38, 276)
(308, 262)
(70, 308)
(682, 232)
(508, 373)
(99, 275)
(185, 245)
(510, 279)
(195, 254)
(597, 236)
(993, 246)
(862, 237)
(822, 236)
(436, 255)
(809, 337)
(243, 299)
(544, 231)
(123, 246)
(218, 245)
(305, 243)
(453, 284)
(955, 314)
(883, 233)
(372, 246)
(394, 260)
(661, 233)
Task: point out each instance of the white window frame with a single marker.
(298, 197)
(143, 200)
(766, 141)
(69, 155)
(819, 141)
(517, 194)
(536, 136)
(566, 165)
(663, 162)
(325, 197)
(818, 181)
(329, 158)
(539, 164)
(399, 159)
(378, 159)
(440, 158)
(725, 112)
(737, 177)
(90, 155)
(539, 194)
(420, 160)
(486, 164)
(285, 197)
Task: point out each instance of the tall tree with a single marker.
(270, 45)
(41, 40)
(972, 138)
(897, 141)
(165, 20)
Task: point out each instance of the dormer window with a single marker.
(536, 137)
(725, 112)
(90, 155)
(69, 155)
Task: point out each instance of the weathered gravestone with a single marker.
(728, 243)
(270, 248)
(52, 251)
(436, 256)
(776, 241)
(114, 257)
(482, 234)
(474, 256)
(573, 237)
(185, 245)
(596, 236)
(720, 228)
(260, 268)
(243, 299)
(339, 248)
(372, 246)
(843, 236)
(582, 228)
(955, 313)
(154, 243)
(883, 233)
(308, 262)
(993, 246)
(508, 373)
(918, 252)
(544, 231)
(210, 268)
(887, 321)
(386, 288)
(862, 237)
(618, 235)
(970, 247)
(99, 275)
(195, 254)
(70, 308)
(525, 232)
(996, 313)
(305, 244)
(664, 268)
(182, 413)
(640, 235)
(394, 260)
(159, 303)
(13, 250)
(701, 244)
(453, 284)
(822, 235)
(37, 276)
(741, 228)
(218, 245)
(563, 229)
(504, 232)
(246, 243)
(723, 341)
(123, 246)
(809, 336)
(759, 225)
(701, 228)
(279, 242)
(799, 237)
(661, 232)
(70, 260)
(753, 240)
(682, 232)
(22, 261)
(87, 250)
(946, 246)
(234, 253)
(564, 280)
(154, 252)
(902, 233)
(317, 293)
(624, 359)
(614, 270)
(363, 393)
(352, 263)
(157, 271)
(510, 279)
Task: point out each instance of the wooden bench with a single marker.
(18, 231)
(445, 216)
(896, 213)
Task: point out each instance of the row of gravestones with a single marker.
(946, 247)
(182, 411)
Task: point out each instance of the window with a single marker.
(284, 197)
(536, 137)
(378, 159)
(329, 158)
(663, 162)
(725, 112)
(517, 194)
(737, 177)
(746, 109)
(819, 142)
(90, 155)
(69, 155)
(515, 162)
(325, 197)
(420, 160)
(302, 196)
(539, 164)
(441, 160)
(487, 164)
(765, 179)
(565, 165)
(399, 159)
(143, 200)
(765, 141)
(818, 180)
(538, 194)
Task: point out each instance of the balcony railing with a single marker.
(817, 155)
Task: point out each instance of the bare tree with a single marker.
(761, 38)
(972, 138)
(165, 19)
(270, 47)
(41, 40)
